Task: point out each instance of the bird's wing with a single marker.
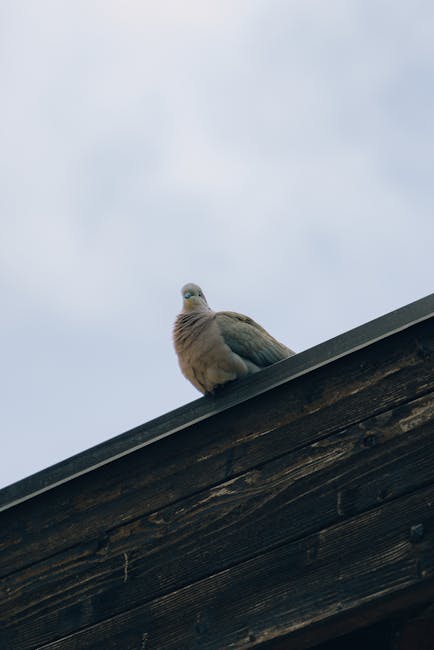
(249, 340)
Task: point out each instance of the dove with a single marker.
(215, 348)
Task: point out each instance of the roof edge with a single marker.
(205, 407)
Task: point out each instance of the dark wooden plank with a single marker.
(291, 416)
(200, 409)
(288, 498)
(347, 630)
(116, 635)
(417, 632)
(282, 593)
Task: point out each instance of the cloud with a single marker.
(279, 153)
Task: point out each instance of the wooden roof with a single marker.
(297, 505)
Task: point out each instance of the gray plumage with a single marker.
(214, 348)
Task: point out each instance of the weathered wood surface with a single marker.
(256, 524)
(344, 474)
(318, 577)
(250, 387)
(369, 381)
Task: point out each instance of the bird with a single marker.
(215, 348)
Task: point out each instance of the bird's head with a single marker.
(194, 298)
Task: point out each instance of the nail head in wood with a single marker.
(417, 532)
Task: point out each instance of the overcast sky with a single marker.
(278, 153)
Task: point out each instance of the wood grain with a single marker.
(347, 473)
(170, 423)
(285, 419)
(365, 560)
(308, 504)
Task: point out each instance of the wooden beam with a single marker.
(298, 511)
(376, 461)
(288, 590)
(287, 418)
(203, 408)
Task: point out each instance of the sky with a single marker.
(280, 153)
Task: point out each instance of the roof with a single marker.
(206, 407)
(296, 507)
